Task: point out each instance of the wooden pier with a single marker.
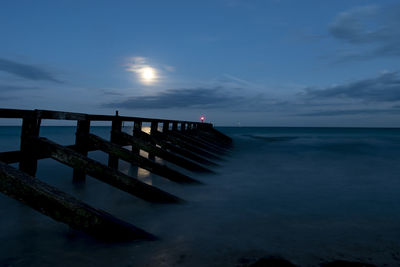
(194, 146)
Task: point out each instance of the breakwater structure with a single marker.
(194, 146)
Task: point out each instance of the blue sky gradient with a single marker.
(248, 63)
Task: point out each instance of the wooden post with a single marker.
(142, 162)
(81, 144)
(115, 131)
(165, 127)
(153, 131)
(141, 143)
(183, 126)
(137, 127)
(174, 126)
(30, 128)
(163, 142)
(101, 172)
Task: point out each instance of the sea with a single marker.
(308, 195)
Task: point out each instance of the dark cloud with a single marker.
(211, 98)
(384, 88)
(391, 111)
(376, 29)
(26, 71)
(180, 98)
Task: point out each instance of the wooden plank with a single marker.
(186, 145)
(15, 113)
(30, 129)
(171, 147)
(115, 130)
(10, 156)
(62, 207)
(187, 137)
(207, 138)
(214, 135)
(61, 115)
(138, 143)
(153, 131)
(105, 174)
(142, 162)
(81, 146)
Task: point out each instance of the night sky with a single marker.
(239, 63)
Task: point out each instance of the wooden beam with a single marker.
(142, 162)
(30, 129)
(181, 151)
(62, 207)
(187, 146)
(153, 131)
(138, 143)
(191, 139)
(104, 174)
(115, 130)
(81, 145)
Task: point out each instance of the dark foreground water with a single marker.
(307, 194)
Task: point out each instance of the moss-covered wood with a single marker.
(104, 173)
(142, 162)
(65, 208)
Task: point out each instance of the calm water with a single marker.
(306, 194)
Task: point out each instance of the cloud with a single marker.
(383, 88)
(26, 71)
(374, 30)
(211, 98)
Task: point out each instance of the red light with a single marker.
(202, 118)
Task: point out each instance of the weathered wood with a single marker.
(30, 129)
(137, 127)
(65, 208)
(60, 115)
(142, 162)
(104, 174)
(181, 151)
(208, 129)
(201, 135)
(115, 130)
(187, 137)
(153, 131)
(138, 143)
(187, 146)
(10, 156)
(165, 127)
(208, 139)
(217, 136)
(81, 145)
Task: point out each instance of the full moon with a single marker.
(148, 75)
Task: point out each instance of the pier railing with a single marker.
(194, 146)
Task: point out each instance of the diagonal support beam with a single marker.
(187, 146)
(176, 149)
(104, 173)
(64, 208)
(138, 143)
(205, 145)
(142, 162)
